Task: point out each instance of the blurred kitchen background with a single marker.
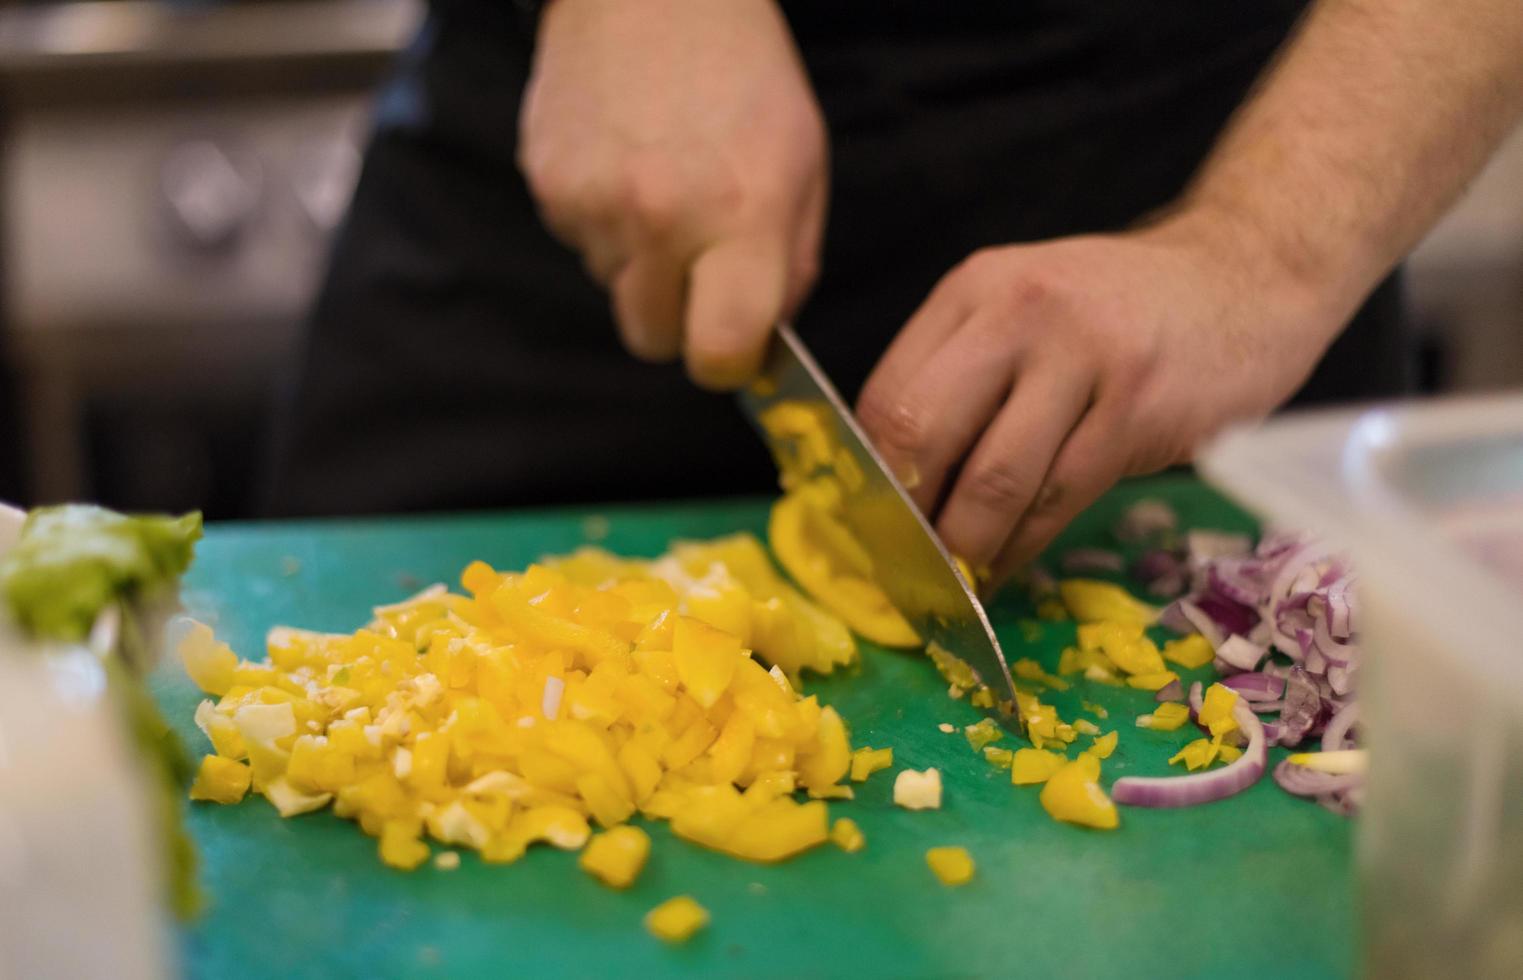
(171, 174)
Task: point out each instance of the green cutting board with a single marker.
(1254, 886)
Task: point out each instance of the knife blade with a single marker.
(920, 577)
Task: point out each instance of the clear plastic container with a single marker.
(1428, 500)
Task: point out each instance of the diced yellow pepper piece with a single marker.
(209, 663)
(918, 790)
(1228, 753)
(981, 733)
(866, 761)
(1090, 601)
(1028, 669)
(1031, 766)
(1073, 795)
(952, 865)
(1197, 755)
(399, 845)
(1003, 758)
(846, 835)
(1189, 652)
(616, 856)
(1216, 710)
(1153, 682)
(220, 780)
(1086, 727)
(676, 919)
(1167, 717)
(1103, 746)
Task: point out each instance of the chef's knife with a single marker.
(914, 568)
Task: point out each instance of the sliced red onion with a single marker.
(1240, 653)
(1172, 691)
(1173, 618)
(1201, 787)
(1199, 622)
(1203, 546)
(1344, 804)
(1337, 654)
(1303, 708)
(1264, 707)
(1145, 520)
(1340, 679)
(1080, 560)
(1338, 728)
(1168, 586)
(1230, 617)
(1197, 699)
(1237, 579)
(1301, 781)
(1257, 686)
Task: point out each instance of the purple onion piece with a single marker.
(1230, 617)
(1172, 691)
(1257, 686)
(1264, 707)
(1167, 586)
(1301, 781)
(1240, 653)
(1303, 707)
(1339, 726)
(1201, 787)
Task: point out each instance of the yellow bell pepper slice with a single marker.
(819, 552)
(1216, 710)
(1031, 766)
(220, 780)
(1166, 717)
(952, 866)
(846, 835)
(1073, 795)
(1092, 601)
(1189, 652)
(676, 919)
(616, 856)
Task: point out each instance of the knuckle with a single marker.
(893, 422)
(652, 195)
(1000, 486)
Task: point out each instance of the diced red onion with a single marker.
(1257, 686)
(1303, 707)
(1080, 560)
(1200, 622)
(1338, 728)
(1172, 691)
(1240, 653)
(1303, 781)
(1168, 586)
(1264, 707)
(1201, 787)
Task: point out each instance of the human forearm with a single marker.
(1359, 137)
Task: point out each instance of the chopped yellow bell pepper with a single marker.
(866, 761)
(918, 790)
(1086, 727)
(676, 919)
(1167, 717)
(952, 865)
(1028, 669)
(1091, 601)
(1152, 682)
(616, 856)
(1004, 758)
(1216, 710)
(1189, 652)
(1197, 755)
(846, 835)
(1073, 795)
(983, 732)
(1104, 745)
(817, 549)
(220, 780)
(400, 846)
(1031, 766)
(209, 663)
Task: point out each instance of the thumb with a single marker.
(736, 290)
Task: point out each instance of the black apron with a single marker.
(458, 357)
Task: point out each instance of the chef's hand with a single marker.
(1034, 376)
(677, 145)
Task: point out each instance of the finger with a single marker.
(1091, 461)
(1005, 470)
(735, 297)
(808, 236)
(943, 311)
(937, 415)
(648, 296)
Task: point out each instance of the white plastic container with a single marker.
(1428, 500)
